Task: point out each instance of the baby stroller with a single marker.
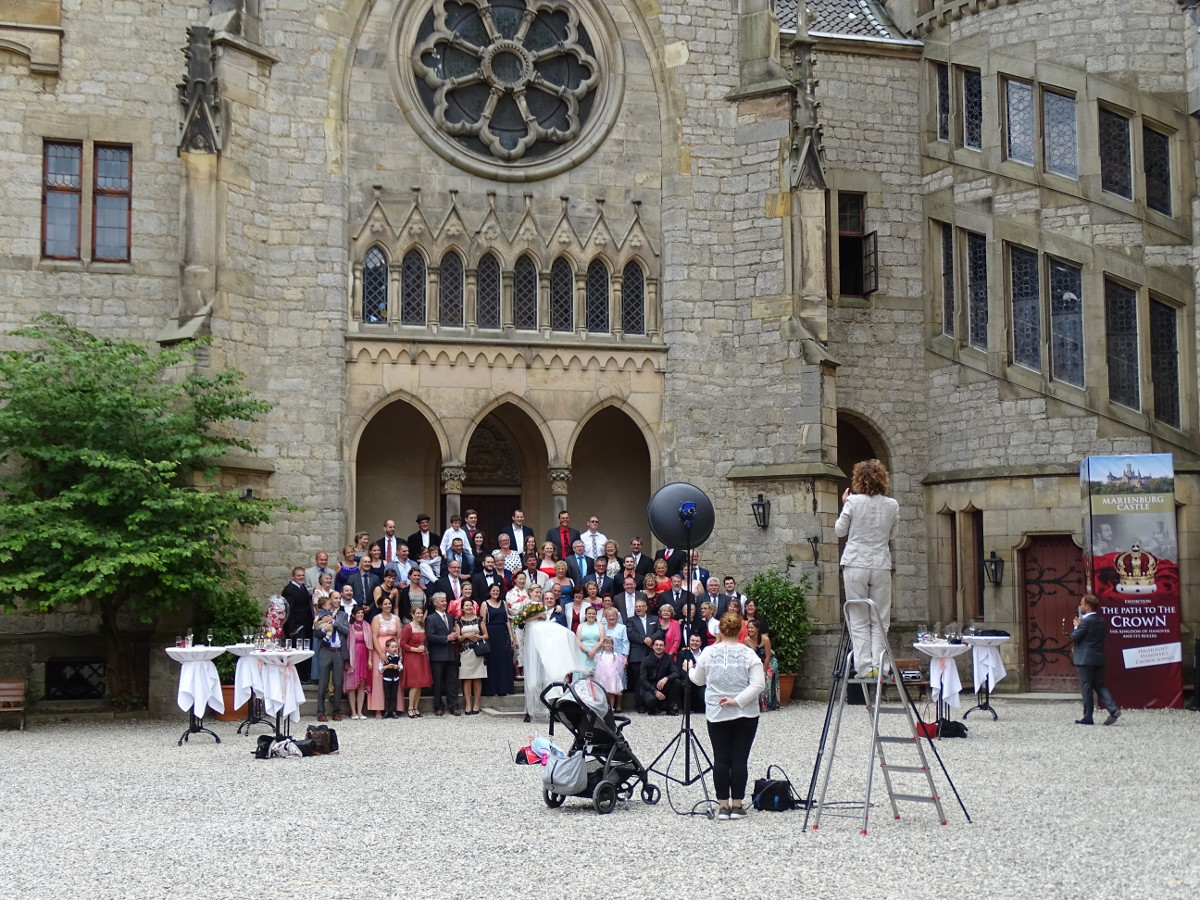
(599, 763)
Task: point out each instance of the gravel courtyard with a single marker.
(436, 808)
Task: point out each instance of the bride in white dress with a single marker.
(550, 654)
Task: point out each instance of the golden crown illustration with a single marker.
(1135, 571)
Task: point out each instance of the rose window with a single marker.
(507, 79)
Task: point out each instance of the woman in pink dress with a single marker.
(357, 678)
(383, 626)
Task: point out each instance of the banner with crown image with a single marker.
(1133, 564)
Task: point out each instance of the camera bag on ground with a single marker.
(775, 794)
(324, 739)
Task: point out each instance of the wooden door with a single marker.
(495, 512)
(1052, 580)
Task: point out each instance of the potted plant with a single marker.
(783, 602)
(230, 616)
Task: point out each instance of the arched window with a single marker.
(633, 300)
(412, 289)
(374, 286)
(450, 291)
(525, 295)
(562, 296)
(487, 293)
(597, 297)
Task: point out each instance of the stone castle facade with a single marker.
(557, 253)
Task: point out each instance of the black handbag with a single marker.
(324, 739)
(482, 648)
(774, 794)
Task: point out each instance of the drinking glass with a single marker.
(288, 644)
(209, 636)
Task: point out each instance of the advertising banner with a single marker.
(1133, 550)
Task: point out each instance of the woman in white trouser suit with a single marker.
(868, 521)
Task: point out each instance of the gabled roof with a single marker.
(862, 18)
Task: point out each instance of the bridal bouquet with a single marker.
(526, 611)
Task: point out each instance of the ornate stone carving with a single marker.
(200, 130)
(453, 478)
(491, 458)
(559, 479)
(512, 79)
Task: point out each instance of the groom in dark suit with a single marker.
(1088, 638)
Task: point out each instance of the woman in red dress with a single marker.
(417, 672)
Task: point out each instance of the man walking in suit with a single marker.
(299, 620)
(638, 626)
(1088, 638)
(564, 536)
(443, 657)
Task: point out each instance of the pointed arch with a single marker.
(562, 296)
(536, 419)
(450, 290)
(375, 286)
(487, 292)
(598, 295)
(525, 294)
(633, 298)
(412, 289)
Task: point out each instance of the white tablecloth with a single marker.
(282, 690)
(199, 684)
(985, 659)
(944, 683)
(248, 674)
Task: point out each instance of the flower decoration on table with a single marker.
(526, 611)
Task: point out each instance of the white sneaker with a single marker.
(723, 816)
(737, 812)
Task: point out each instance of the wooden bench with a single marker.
(12, 697)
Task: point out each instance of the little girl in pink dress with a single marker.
(610, 672)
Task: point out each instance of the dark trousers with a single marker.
(445, 684)
(731, 741)
(673, 693)
(633, 676)
(1091, 678)
(329, 666)
(390, 690)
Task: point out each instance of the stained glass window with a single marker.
(977, 290)
(1164, 362)
(1059, 131)
(972, 88)
(562, 296)
(1121, 340)
(487, 293)
(111, 203)
(947, 279)
(943, 101)
(1116, 174)
(1156, 157)
(1066, 323)
(450, 291)
(633, 299)
(412, 289)
(597, 297)
(525, 295)
(374, 286)
(1018, 98)
(1026, 314)
(62, 191)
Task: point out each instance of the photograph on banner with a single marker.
(1132, 544)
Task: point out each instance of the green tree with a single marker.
(108, 454)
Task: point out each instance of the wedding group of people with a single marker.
(460, 609)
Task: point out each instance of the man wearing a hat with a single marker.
(422, 537)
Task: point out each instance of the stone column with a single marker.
(560, 477)
(452, 485)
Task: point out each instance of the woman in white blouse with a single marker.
(868, 522)
(733, 676)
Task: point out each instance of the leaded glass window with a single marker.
(1121, 343)
(947, 279)
(1018, 99)
(633, 299)
(943, 101)
(1156, 158)
(450, 291)
(525, 295)
(972, 88)
(1116, 174)
(1164, 362)
(374, 287)
(562, 296)
(1060, 135)
(112, 203)
(1066, 323)
(1026, 312)
(62, 192)
(977, 290)
(597, 297)
(412, 289)
(487, 293)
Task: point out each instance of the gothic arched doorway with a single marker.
(507, 467)
(610, 477)
(397, 470)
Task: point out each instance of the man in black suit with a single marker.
(687, 661)
(517, 530)
(389, 544)
(626, 600)
(333, 651)
(578, 565)
(604, 584)
(488, 575)
(299, 620)
(713, 596)
(677, 596)
(449, 584)
(674, 559)
(1088, 638)
(643, 564)
(564, 536)
(422, 537)
(659, 688)
(363, 581)
(443, 657)
(638, 627)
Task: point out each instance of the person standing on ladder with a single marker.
(868, 522)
